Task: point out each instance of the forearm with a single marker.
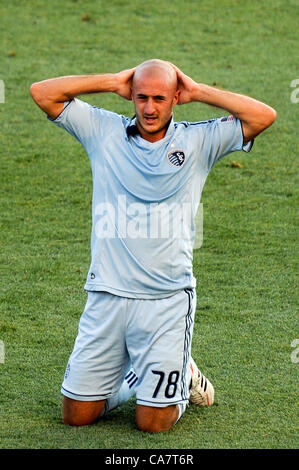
(66, 88)
(241, 106)
(50, 94)
(255, 115)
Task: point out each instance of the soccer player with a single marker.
(148, 171)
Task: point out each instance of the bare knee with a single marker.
(152, 419)
(81, 413)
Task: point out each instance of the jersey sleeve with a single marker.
(83, 121)
(220, 137)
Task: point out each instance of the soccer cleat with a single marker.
(201, 389)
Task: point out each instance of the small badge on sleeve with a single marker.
(227, 119)
(176, 157)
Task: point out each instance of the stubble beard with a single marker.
(156, 130)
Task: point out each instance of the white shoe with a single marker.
(201, 391)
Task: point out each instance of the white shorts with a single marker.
(152, 336)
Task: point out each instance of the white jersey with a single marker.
(145, 197)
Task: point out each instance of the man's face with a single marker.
(154, 94)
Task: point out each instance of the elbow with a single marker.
(261, 121)
(269, 117)
(272, 116)
(264, 120)
(35, 92)
(39, 93)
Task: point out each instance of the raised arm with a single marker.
(50, 94)
(254, 115)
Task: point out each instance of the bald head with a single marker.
(154, 93)
(156, 69)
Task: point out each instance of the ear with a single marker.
(176, 97)
(131, 93)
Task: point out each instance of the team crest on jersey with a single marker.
(176, 157)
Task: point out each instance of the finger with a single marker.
(178, 71)
(131, 75)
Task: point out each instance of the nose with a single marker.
(149, 107)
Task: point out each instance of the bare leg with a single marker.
(80, 413)
(153, 419)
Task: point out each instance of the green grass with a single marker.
(247, 266)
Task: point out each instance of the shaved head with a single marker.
(156, 68)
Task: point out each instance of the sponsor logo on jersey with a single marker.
(176, 157)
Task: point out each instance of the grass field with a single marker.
(246, 269)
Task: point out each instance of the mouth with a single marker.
(150, 119)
